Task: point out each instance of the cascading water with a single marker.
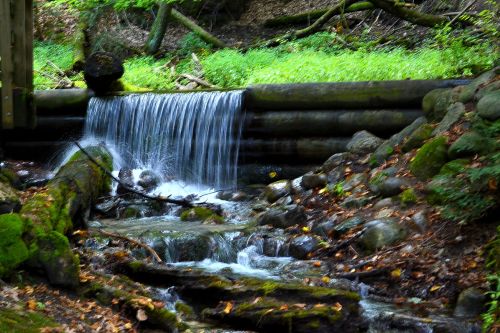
(193, 137)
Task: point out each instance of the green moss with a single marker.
(430, 158)
(13, 250)
(418, 137)
(469, 144)
(20, 321)
(136, 265)
(201, 214)
(184, 309)
(454, 167)
(408, 197)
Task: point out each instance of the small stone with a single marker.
(419, 221)
(453, 114)
(324, 228)
(300, 247)
(488, 107)
(310, 181)
(386, 202)
(278, 189)
(363, 142)
(354, 181)
(354, 201)
(384, 213)
(335, 161)
(380, 233)
(349, 224)
(392, 186)
(283, 217)
(470, 303)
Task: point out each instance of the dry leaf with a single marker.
(396, 273)
(228, 307)
(31, 304)
(256, 300)
(299, 305)
(435, 288)
(284, 307)
(325, 279)
(337, 307)
(141, 315)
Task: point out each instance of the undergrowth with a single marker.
(491, 318)
(49, 60)
(146, 72)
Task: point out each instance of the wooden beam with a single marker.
(19, 62)
(6, 64)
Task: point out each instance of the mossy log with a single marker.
(306, 17)
(57, 102)
(338, 95)
(36, 235)
(202, 33)
(413, 16)
(254, 304)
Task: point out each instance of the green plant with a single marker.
(492, 315)
(146, 72)
(49, 59)
(192, 43)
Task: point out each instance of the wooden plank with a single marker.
(6, 65)
(19, 62)
(31, 112)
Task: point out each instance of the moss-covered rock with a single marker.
(467, 94)
(408, 197)
(469, 144)
(454, 167)
(488, 106)
(13, 250)
(20, 321)
(430, 158)
(436, 102)
(201, 214)
(417, 138)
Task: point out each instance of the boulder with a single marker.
(283, 217)
(278, 189)
(418, 137)
(348, 224)
(470, 144)
(149, 180)
(310, 181)
(9, 199)
(436, 102)
(467, 94)
(453, 114)
(335, 161)
(102, 70)
(363, 142)
(384, 203)
(430, 158)
(380, 233)
(300, 247)
(126, 181)
(470, 303)
(488, 106)
(392, 186)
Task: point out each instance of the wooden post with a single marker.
(16, 52)
(7, 66)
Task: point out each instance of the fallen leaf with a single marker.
(325, 279)
(317, 264)
(141, 315)
(284, 307)
(299, 305)
(319, 305)
(305, 229)
(31, 304)
(256, 300)
(337, 307)
(228, 307)
(396, 273)
(128, 326)
(435, 288)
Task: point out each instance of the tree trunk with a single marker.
(79, 42)
(37, 234)
(315, 14)
(413, 16)
(202, 33)
(157, 32)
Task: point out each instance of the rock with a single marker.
(149, 180)
(239, 196)
(324, 228)
(336, 175)
(470, 303)
(201, 214)
(335, 161)
(283, 217)
(392, 186)
(9, 199)
(102, 70)
(436, 102)
(297, 186)
(430, 158)
(284, 201)
(348, 224)
(300, 247)
(386, 202)
(418, 137)
(380, 233)
(354, 181)
(467, 94)
(470, 144)
(278, 189)
(127, 181)
(453, 114)
(387, 148)
(384, 213)
(310, 181)
(419, 221)
(454, 167)
(408, 197)
(488, 106)
(363, 142)
(494, 86)
(354, 201)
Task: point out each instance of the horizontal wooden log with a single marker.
(329, 124)
(62, 101)
(341, 95)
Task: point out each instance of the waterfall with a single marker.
(193, 137)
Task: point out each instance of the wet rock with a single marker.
(386, 149)
(102, 70)
(306, 269)
(453, 114)
(349, 224)
(419, 221)
(126, 181)
(488, 106)
(224, 195)
(149, 180)
(274, 246)
(284, 201)
(386, 202)
(335, 161)
(297, 186)
(300, 247)
(430, 158)
(380, 233)
(470, 144)
(392, 186)
(201, 214)
(417, 138)
(310, 181)
(363, 142)
(470, 303)
(278, 189)
(283, 217)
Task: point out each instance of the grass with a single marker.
(314, 59)
(49, 59)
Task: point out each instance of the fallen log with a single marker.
(306, 17)
(36, 235)
(62, 101)
(202, 33)
(413, 16)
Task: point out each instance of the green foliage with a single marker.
(146, 72)
(408, 197)
(492, 315)
(82, 5)
(20, 321)
(13, 250)
(49, 59)
(192, 43)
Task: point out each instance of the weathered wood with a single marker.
(348, 95)
(62, 102)
(7, 68)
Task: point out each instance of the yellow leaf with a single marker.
(305, 229)
(228, 308)
(396, 273)
(325, 279)
(128, 326)
(337, 307)
(435, 288)
(141, 315)
(273, 174)
(319, 305)
(323, 190)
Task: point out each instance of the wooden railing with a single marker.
(16, 63)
